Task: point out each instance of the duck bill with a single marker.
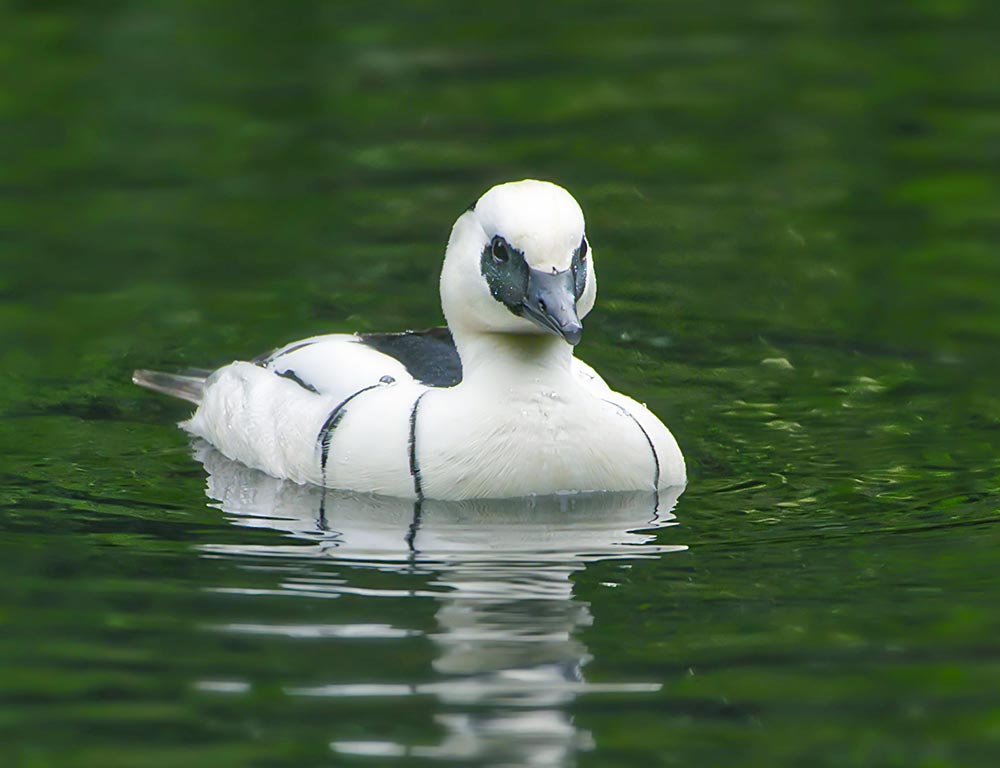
(550, 303)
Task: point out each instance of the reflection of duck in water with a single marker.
(496, 405)
(509, 657)
(568, 527)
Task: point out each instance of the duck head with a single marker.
(518, 262)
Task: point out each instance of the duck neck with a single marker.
(507, 359)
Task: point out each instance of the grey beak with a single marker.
(550, 302)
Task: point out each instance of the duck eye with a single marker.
(499, 250)
(583, 249)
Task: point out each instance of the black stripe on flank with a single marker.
(411, 533)
(649, 440)
(418, 487)
(321, 523)
(290, 374)
(326, 431)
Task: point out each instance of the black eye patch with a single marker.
(506, 273)
(579, 267)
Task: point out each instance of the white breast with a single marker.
(529, 443)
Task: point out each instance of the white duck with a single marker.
(495, 405)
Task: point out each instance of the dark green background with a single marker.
(795, 210)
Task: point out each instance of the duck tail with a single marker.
(186, 387)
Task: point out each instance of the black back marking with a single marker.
(331, 423)
(652, 448)
(269, 357)
(418, 486)
(290, 374)
(429, 356)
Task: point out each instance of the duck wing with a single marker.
(337, 364)
(328, 364)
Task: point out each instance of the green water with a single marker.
(795, 210)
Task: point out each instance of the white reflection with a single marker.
(509, 655)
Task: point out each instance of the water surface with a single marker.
(795, 212)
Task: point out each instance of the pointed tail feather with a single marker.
(190, 388)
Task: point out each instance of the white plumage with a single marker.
(398, 414)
